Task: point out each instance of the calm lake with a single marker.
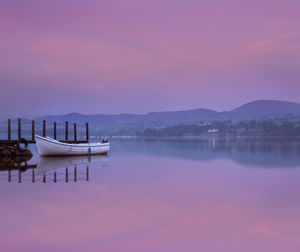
(157, 195)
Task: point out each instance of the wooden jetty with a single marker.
(14, 153)
(12, 147)
(11, 141)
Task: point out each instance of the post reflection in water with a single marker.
(48, 169)
(33, 176)
(9, 175)
(67, 177)
(75, 173)
(20, 178)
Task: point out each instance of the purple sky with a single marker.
(138, 56)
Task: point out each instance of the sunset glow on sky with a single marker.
(136, 56)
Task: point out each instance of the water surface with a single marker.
(157, 195)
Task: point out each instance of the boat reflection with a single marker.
(46, 164)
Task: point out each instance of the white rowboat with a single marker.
(48, 146)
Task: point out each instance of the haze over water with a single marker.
(159, 195)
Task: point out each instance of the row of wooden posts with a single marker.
(54, 175)
(44, 131)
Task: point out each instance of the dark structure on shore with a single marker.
(19, 147)
(14, 153)
(12, 149)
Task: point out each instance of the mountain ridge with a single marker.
(260, 102)
(255, 110)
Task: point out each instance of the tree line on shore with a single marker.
(280, 127)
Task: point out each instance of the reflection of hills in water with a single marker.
(49, 169)
(253, 152)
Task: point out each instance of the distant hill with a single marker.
(257, 110)
(264, 109)
(194, 115)
(153, 119)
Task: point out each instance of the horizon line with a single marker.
(162, 111)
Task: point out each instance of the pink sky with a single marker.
(135, 56)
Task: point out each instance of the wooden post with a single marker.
(54, 130)
(54, 177)
(33, 176)
(44, 128)
(9, 175)
(8, 129)
(87, 131)
(44, 178)
(66, 131)
(32, 131)
(20, 177)
(67, 178)
(19, 128)
(87, 173)
(75, 173)
(75, 133)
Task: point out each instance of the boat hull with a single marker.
(51, 147)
